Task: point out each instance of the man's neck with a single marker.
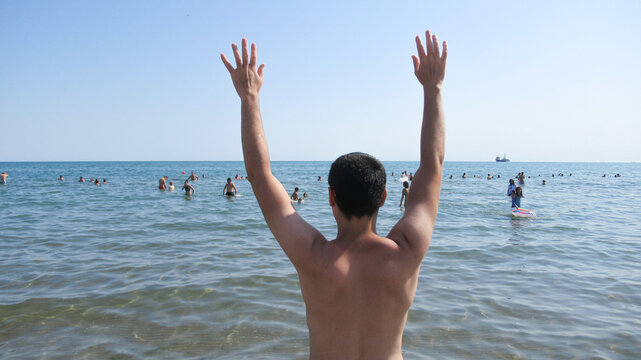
(349, 229)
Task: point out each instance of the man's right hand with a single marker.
(429, 67)
(247, 80)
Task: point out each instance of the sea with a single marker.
(126, 271)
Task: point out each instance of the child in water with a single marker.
(511, 187)
(230, 188)
(516, 197)
(295, 195)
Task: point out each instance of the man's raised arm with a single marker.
(416, 226)
(295, 236)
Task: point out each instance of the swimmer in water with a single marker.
(405, 192)
(230, 188)
(543, 183)
(171, 186)
(104, 181)
(304, 196)
(320, 178)
(516, 198)
(162, 183)
(81, 179)
(521, 178)
(451, 177)
(3, 178)
(189, 190)
(489, 177)
(193, 177)
(295, 195)
(97, 182)
(61, 178)
(511, 187)
(464, 176)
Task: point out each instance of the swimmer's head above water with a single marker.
(357, 185)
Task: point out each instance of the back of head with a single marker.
(406, 184)
(358, 180)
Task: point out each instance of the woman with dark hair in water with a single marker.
(516, 197)
(189, 190)
(511, 187)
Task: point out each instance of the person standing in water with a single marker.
(3, 178)
(162, 183)
(171, 186)
(359, 287)
(230, 188)
(511, 187)
(193, 177)
(405, 192)
(516, 198)
(189, 190)
(295, 195)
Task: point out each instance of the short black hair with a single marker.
(406, 184)
(358, 179)
(228, 179)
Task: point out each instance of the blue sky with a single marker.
(120, 80)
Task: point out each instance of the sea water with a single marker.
(124, 270)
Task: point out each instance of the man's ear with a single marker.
(332, 197)
(384, 197)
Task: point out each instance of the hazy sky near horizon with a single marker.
(143, 80)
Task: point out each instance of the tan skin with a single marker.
(404, 193)
(230, 187)
(358, 287)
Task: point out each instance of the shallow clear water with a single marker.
(127, 271)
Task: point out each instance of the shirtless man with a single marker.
(294, 195)
(359, 287)
(193, 177)
(162, 183)
(230, 188)
(3, 178)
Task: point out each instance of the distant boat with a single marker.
(505, 159)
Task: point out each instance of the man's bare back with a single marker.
(357, 302)
(359, 287)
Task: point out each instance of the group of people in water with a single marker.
(95, 181)
(187, 187)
